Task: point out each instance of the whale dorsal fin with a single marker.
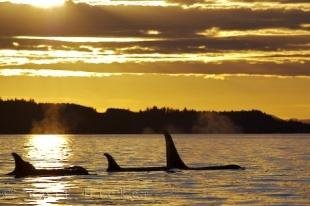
(172, 156)
(112, 165)
(21, 167)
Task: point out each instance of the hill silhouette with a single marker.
(24, 117)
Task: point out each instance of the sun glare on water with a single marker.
(42, 3)
(48, 150)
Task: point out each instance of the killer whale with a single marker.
(25, 169)
(114, 167)
(173, 161)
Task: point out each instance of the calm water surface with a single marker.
(278, 170)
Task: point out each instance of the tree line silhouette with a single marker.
(24, 117)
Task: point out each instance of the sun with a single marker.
(42, 3)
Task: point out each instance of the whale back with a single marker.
(22, 168)
(112, 165)
(173, 158)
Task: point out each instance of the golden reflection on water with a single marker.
(48, 150)
(47, 191)
(276, 171)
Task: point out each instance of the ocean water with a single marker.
(277, 170)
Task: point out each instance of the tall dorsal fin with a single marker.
(112, 165)
(21, 167)
(172, 156)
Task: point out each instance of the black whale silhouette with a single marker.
(173, 161)
(24, 169)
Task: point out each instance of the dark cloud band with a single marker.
(86, 20)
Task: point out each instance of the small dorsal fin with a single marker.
(112, 165)
(21, 167)
(172, 156)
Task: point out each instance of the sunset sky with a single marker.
(199, 54)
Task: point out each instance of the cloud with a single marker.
(189, 2)
(217, 32)
(221, 40)
(22, 57)
(87, 20)
(274, 1)
(54, 73)
(214, 40)
(257, 4)
(228, 67)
